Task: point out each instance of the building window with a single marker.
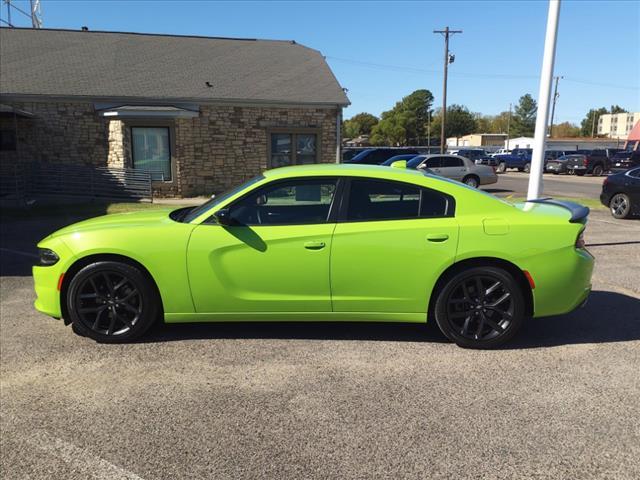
(293, 149)
(7, 140)
(151, 151)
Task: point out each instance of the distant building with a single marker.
(617, 125)
(478, 140)
(633, 140)
(571, 143)
(360, 141)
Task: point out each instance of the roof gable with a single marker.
(164, 67)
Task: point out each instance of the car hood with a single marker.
(117, 220)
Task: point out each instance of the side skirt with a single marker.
(420, 317)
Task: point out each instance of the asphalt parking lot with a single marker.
(326, 400)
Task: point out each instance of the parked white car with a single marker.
(502, 151)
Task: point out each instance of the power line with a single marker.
(404, 68)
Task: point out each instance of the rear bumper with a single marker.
(563, 283)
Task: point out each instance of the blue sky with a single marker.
(383, 50)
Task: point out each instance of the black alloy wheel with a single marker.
(620, 205)
(480, 308)
(111, 302)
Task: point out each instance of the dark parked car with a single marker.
(559, 165)
(376, 156)
(594, 162)
(621, 193)
(407, 156)
(625, 160)
(477, 156)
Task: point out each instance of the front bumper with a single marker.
(47, 279)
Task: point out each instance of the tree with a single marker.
(617, 109)
(566, 129)
(406, 122)
(459, 122)
(524, 117)
(589, 125)
(360, 124)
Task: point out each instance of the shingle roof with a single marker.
(164, 67)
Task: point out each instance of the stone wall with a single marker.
(67, 133)
(213, 152)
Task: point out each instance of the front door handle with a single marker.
(314, 245)
(437, 237)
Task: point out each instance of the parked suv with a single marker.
(376, 156)
(594, 162)
(625, 160)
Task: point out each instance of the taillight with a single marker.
(585, 161)
(580, 243)
(606, 180)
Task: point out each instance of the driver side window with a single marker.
(294, 202)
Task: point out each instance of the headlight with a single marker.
(47, 257)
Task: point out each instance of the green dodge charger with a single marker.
(323, 243)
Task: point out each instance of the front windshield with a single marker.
(209, 204)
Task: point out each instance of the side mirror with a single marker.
(223, 216)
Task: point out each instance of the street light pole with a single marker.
(546, 79)
(446, 33)
(508, 127)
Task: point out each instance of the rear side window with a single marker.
(434, 162)
(382, 200)
(451, 162)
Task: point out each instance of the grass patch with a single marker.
(86, 210)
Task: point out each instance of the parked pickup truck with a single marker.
(519, 158)
(595, 162)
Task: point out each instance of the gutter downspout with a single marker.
(338, 133)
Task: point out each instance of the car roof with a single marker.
(338, 169)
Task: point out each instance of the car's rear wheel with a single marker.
(502, 167)
(471, 180)
(481, 307)
(597, 171)
(111, 302)
(620, 205)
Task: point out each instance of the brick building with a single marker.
(202, 114)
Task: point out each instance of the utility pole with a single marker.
(428, 131)
(447, 60)
(593, 124)
(508, 127)
(553, 108)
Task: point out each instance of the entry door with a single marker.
(387, 255)
(274, 258)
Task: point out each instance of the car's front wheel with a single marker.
(597, 171)
(481, 307)
(502, 167)
(111, 302)
(620, 205)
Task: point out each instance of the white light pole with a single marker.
(544, 95)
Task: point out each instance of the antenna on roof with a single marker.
(35, 15)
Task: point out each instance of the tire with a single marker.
(112, 302)
(597, 171)
(527, 167)
(502, 167)
(620, 205)
(471, 181)
(497, 313)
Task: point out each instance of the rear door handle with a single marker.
(314, 245)
(437, 237)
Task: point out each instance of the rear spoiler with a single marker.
(578, 212)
